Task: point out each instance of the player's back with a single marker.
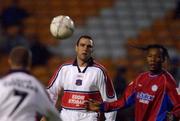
(20, 97)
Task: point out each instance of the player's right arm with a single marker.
(126, 100)
(46, 107)
(55, 85)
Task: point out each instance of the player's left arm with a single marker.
(107, 91)
(174, 93)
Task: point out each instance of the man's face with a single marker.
(84, 49)
(154, 59)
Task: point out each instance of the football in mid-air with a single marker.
(62, 27)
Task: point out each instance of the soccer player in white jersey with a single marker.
(22, 97)
(81, 80)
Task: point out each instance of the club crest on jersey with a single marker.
(78, 82)
(154, 88)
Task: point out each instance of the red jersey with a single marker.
(153, 96)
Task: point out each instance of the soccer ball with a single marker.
(62, 27)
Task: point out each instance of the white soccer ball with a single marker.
(62, 27)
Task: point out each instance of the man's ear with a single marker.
(9, 61)
(163, 59)
(92, 50)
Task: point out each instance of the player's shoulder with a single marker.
(21, 77)
(24, 76)
(36, 81)
(1, 82)
(3, 88)
(143, 75)
(98, 66)
(167, 74)
(65, 64)
(168, 77)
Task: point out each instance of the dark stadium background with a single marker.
(115, 25)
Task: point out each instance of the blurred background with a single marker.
(115, 26)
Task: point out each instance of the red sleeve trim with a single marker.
(109, 85)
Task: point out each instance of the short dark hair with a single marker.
(165, 53)
(20, 56)
(83, 36)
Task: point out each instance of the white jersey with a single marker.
(80, 85)
(22, 98)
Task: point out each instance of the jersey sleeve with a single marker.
(127, 99)
(55, 85)
(107, 92)
(3, 93)
(45, 106)
(173, 93)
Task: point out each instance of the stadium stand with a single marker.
(114, 25)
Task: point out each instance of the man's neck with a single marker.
(156, 72)
(14, 67)
(82, 63)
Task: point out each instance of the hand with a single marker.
(43, 119)
(170, 116)
(92, 105)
